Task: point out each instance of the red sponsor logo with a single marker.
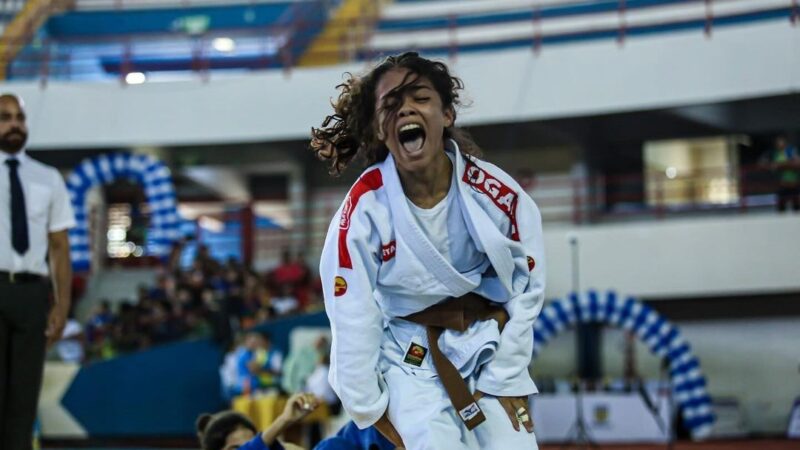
(339, 286)
(503, 196)
(388, 251)
(344, 219)
(531, 263)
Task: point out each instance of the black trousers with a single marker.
(23, 319)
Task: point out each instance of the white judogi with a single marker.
(378, 264)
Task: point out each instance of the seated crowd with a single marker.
(207, 299)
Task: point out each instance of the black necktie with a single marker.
(19, 219)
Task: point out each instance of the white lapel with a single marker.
(490, 240)
(416, 239)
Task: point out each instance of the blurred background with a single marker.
(658, 138)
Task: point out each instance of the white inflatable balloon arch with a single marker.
(156, 180)
(660, 336)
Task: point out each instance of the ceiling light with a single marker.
(135, 78)
(223, 44)
(211, 224)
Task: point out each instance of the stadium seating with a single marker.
(103, 38)
(452, 26)
(91, 42)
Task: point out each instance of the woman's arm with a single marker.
(506, 375)
(349, 271)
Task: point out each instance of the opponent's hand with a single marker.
(389, 431)
(299, 406)
(512, 405)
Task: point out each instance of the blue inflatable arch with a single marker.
(662, 338)
(154, 177)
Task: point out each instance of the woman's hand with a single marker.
(389, 431)
(516, 408)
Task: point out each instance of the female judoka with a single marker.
(432, 269)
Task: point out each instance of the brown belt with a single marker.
(457, 314)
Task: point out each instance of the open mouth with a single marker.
(411, 137)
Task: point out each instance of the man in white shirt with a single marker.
(35, 213)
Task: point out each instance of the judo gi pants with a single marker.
(422, 413)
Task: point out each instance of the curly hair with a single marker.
(213, 430)
(350, 132)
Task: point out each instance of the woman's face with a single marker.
(413, 134)
(238, 438)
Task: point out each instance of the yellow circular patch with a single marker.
(339, 286)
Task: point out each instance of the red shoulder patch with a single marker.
(531, 263)
(388, 251)
(503, 196)
(369, 181)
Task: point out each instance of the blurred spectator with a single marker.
(229, 373)
(258, 364)
(317, 382)
(301, 363)
(99, 323)
(784, 159)
(161, 291)
(315, 301)
(174, 257)
(142, 293)
(285, 303)
(288, 272)
(208, 298)
(204, 261)
(294, 276)
(302, 288)
(126, 334)
(195, 325)
(163, 326)
(102, 315)
(230, 430)
(217, 314)
(70, 347)
(306, 369)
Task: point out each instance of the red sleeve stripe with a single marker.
(370, 181)
(513, 218)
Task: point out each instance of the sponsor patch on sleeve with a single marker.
(531, 263)
(388, 251)
(339, 286)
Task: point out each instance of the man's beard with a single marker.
(13, 141)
